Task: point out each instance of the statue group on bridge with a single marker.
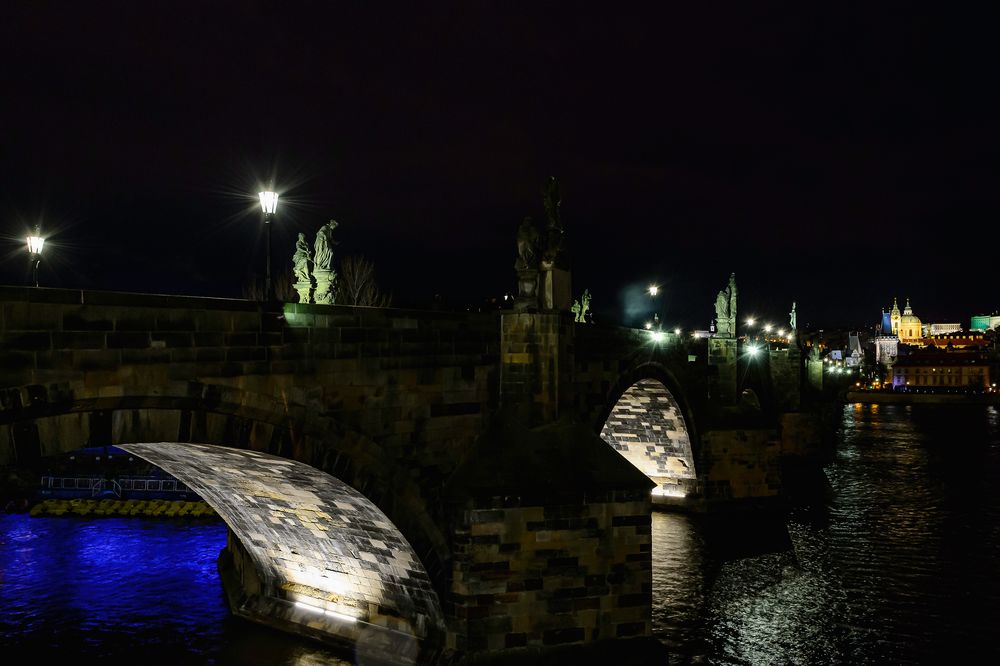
(318, 284)
(542, 264)
(581, 309)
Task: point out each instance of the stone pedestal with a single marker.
(814, 373)
(303, 289)
(722, 380)
(555, 290)
(527, 290)
(324, 286)
(536, 363)
(786, 377)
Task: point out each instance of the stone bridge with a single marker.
(412, 410)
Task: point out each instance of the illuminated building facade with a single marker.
(940, 329)
(910, 330)
(941, 371)
(984, 322)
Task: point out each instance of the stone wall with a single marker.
(536, 363)
(741, 464)
(722, 360)
(786, 377)
(533, 575)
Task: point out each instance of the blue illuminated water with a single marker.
(123, 590)
(896, 562)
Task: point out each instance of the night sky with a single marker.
(835, 157)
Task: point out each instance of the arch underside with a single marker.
(328, 559)
(647, 427)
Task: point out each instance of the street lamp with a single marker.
(35, 243)
(654, 290)
(268, 204)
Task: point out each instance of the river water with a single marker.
(893, 560)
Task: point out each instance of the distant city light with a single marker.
(268, 202)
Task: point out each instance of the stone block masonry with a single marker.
(527, 573)
(551, 541)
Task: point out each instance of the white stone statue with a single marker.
(323, 271)
(323, 256)
(300, 267)
(725, 310)
(792, 318)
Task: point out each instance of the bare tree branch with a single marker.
(284, 290)
(356, 284)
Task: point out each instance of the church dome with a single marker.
(909, 319)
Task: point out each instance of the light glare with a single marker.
(268, 201)
(35, 244)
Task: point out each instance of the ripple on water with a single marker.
(899, 566)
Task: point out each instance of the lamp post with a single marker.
(35, 243)
(654, 290)
(268, 204)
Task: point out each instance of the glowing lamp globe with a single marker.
(35, 244)
(268, 202)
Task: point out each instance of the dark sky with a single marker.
(833, 154)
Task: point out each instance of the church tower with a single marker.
(894, 317)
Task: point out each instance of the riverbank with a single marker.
(108, 507)
(873, 397)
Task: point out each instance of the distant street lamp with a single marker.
(268, 204)
(35, 244)
(654, 290)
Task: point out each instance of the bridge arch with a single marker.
(648, 420)
(308, 553)
(41, 421)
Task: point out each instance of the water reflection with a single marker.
(896, 565)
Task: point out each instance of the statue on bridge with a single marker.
(554, 231)
(725, 310)
(793, 319)
(581, 308)
(542, 265)
(322, 264)
(300, 267)
(323, 256)
(527, 246)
